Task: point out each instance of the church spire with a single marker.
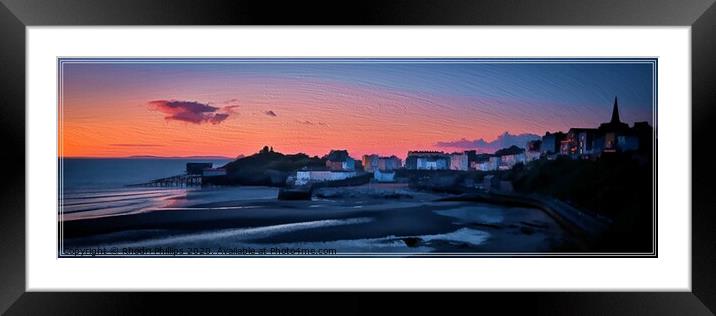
(615, 112)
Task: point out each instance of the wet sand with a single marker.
(365, 219)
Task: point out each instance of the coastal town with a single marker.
(608, 138)
(376, 157)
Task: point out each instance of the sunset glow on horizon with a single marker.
(121, 108)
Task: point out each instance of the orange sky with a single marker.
(377, 122)
(106, 112)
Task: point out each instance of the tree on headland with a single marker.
(266, 150)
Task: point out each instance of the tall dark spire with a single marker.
(615, 125)
(615, 112)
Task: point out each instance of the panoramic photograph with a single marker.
(356, 157)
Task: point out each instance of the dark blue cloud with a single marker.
(502, 141)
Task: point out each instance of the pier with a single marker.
(184, 180)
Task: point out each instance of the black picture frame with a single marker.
(15, 15)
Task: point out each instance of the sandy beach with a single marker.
(369, 219)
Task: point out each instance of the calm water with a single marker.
(98, 187)
(117, 173)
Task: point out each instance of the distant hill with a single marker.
(268, 167)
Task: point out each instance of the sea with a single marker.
(95, 187)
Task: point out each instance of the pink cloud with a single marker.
(191, 111)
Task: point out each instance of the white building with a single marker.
(459, 161)
(432, 163)
(384, 176)
(389, 163)
(370, 162)
(311, 176)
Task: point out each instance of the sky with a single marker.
(120, 108)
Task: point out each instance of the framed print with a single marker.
(518, 150)
(301, 186)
